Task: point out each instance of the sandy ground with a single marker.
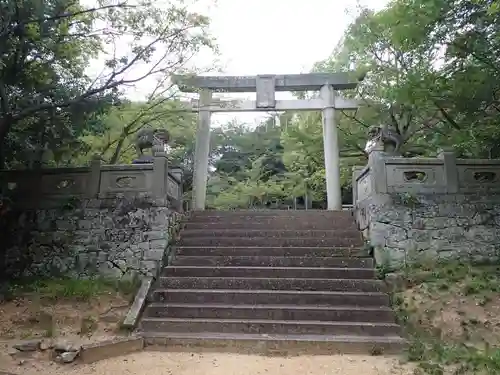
(164, 363)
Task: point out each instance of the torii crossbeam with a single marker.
(265, 86)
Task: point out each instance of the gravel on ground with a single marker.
(175, 363)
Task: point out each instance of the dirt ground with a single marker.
(451, 315)
(455, 317)
(463, 308)
(163, 363)
(76, 313)
(32, 316)
(89, 313)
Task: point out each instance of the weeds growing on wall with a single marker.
(451, 317)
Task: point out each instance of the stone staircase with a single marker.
(271, 281)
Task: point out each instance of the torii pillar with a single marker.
(265, 86)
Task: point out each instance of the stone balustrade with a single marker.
(413, 208)
(49, 186)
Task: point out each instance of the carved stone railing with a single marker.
(49, 185)
(440, 206)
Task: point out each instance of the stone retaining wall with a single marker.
(92, 225)
(121, 237)
(410, 209)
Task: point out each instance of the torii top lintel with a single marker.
(286, 82)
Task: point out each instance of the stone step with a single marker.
(286, 345)
(275, 297)
(379, 314)
(272, 327)
(311, 252)
(270, 242)
(337, 285)
(274, 213)
(270, 223)
(270, 272)
(271, 234)
(272, 261)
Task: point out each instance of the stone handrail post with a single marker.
(450, 170)
(160, 172)
(95, 177)
(178, 174)
(356, 171)
(378, 170)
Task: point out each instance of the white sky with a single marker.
(273, 37)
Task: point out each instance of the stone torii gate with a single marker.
(265, 86)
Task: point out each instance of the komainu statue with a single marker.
(149, 137)
(386, 137)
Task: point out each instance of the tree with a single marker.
(45, 47)
(432, 72)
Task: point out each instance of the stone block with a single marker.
(154, 254)
(158, 244)
(111, 348)
(86, 224)
(383, 231)
(103, 256)
(391, 257)
(144, 245)
(439, 222)
(149, 267)
(137, 307)
(109, 270)
(92, 212)
(155, 235)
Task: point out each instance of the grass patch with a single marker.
(77, 289)
(451, 316)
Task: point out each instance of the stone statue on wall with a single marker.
(149, 138)
(384, 137)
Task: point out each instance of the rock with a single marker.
(66, 346)
(46, 344)
(13, 352)
(28, 346)
(67, 357)
(110, 317)
(395, 281)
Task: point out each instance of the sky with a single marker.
(273, 37)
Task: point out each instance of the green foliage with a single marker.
(116, 145)
(48, 101)
(431, 71)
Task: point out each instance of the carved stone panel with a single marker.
(125, 181)
(364, 187)
(173, 188)
(408, 177)
(480, 176)
(64, 184)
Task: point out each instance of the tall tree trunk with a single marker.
(6, 123)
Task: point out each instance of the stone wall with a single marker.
(412, 209)
(112, 221)
(120, 237)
